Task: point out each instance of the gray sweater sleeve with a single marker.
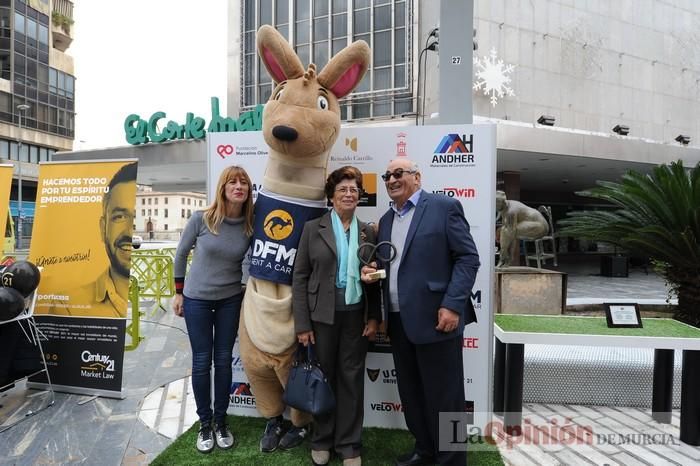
(187, 242)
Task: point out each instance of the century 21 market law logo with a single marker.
(454, 151)
(278, 225)
(96, 366)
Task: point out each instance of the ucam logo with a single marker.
(469, 193)
(386, 406)
(454, 151)
(388, 375)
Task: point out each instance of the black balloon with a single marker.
(11, 303)
(23, 276)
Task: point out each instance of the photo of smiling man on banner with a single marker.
(106, 293)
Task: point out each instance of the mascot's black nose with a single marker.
(285, 133)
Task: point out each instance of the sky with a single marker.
(143, 56)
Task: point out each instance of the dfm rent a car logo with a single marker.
(96, 365)
(278, 225)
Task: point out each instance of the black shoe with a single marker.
(205, 439)
(274, 430)
(294, 437)
(224, 437)
(413, 459)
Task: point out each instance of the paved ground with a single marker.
(134, 430)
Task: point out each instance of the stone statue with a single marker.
(518, 222)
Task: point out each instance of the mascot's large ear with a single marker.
(278, 56)
(345, 70)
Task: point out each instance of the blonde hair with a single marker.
(216, 212)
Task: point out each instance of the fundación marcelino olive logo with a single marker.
(278, 225)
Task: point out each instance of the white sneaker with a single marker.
(224, 437)
(205, 440)
(320, 457)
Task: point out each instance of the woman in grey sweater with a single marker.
(210, 298)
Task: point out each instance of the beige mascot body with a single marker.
(301, 122)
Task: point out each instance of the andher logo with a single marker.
(468, 193)
(454, 151)
(241, 395)
(278, 224)
(225, 150)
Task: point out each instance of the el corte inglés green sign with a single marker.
(138, 131)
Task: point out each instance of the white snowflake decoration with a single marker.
(491, 76)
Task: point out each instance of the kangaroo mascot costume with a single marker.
(301, 122)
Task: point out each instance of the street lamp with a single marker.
(21, 108)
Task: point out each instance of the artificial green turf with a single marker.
(593, 326)
(381, 446)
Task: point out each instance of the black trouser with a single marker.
(431, 380)
(341, 350)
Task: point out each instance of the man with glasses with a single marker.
(426, 301)
(107, 296)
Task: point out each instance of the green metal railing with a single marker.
(151, 278)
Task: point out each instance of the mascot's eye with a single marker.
(279, 94)
(322, 103)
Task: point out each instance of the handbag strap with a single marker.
(311, 355)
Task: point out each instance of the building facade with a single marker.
(163, 216)
(588, 67)
(37, 92)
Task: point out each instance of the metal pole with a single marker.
(456, 53)
(20, 108)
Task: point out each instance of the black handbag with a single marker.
(307, 387)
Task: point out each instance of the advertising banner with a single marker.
(5, 186)
(458, 161)
(82, 241)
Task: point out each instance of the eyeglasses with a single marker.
(346, 190)
(397, 174)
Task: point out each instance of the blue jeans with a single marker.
(212, 326)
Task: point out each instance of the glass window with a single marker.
(301, 7)
(31, 29)
(382, 78)
(43, 154)
(166, 200)
(150, 201)
(13, 150)
(265, 12)
(24, 153)
(400, 14)
(321, 29)
(43, 34)
(320, 7)
(281, 12)
(400, 45)
(155, 211)
(155, 201)
(19, 23)
(33, 154)
(382, 48)
(4, 149)
(165, 213)
(321, 54)
(249, 15)
(339, 5)
(382, 17)
(143, 201)
(143, 212)
(340, 25)
(301, 33)
(362, 21)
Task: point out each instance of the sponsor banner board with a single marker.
(458, 161)
(82, 241)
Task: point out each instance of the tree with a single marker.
(657, 215)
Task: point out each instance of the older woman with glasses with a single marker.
(335, 311)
